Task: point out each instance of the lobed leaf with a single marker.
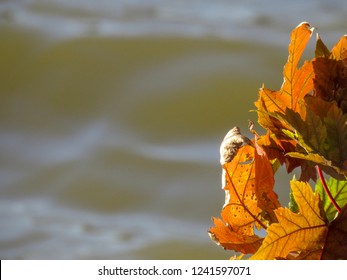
(308, 132)
(295, 232)
(249, 201)
(241, 206)
(297, 82)
(240, 213)
(306, 123)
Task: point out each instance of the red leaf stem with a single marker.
(321, 176)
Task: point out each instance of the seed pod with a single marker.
(231, 143)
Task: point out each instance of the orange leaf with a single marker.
(264, 182)
(270, 102)
(249, 199)
(239, 215)
(297, 83)
(224, 235)
(273, 150)
(241, 206)
(324, 77)
(295, 232)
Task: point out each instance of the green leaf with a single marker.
(335, 122)
(310, 133)
(321, 49)
(338, 190)
(322, 134)
(292, 205)
(337, 134)
(316, 158)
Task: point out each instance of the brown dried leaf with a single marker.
(336, 241)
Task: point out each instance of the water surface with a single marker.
(112, 115)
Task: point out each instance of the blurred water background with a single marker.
(112, 113)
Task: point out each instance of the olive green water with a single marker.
(111, 117)
(109, 146)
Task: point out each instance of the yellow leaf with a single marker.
(339, 51)
(295, 232)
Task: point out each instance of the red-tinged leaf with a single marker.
(273, 149)
(271, 102)
(335, 246)
(318, 106)
(330, 81)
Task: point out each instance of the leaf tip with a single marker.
(306, 25)
(318, 37)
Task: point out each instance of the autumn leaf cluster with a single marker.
(306, 128)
